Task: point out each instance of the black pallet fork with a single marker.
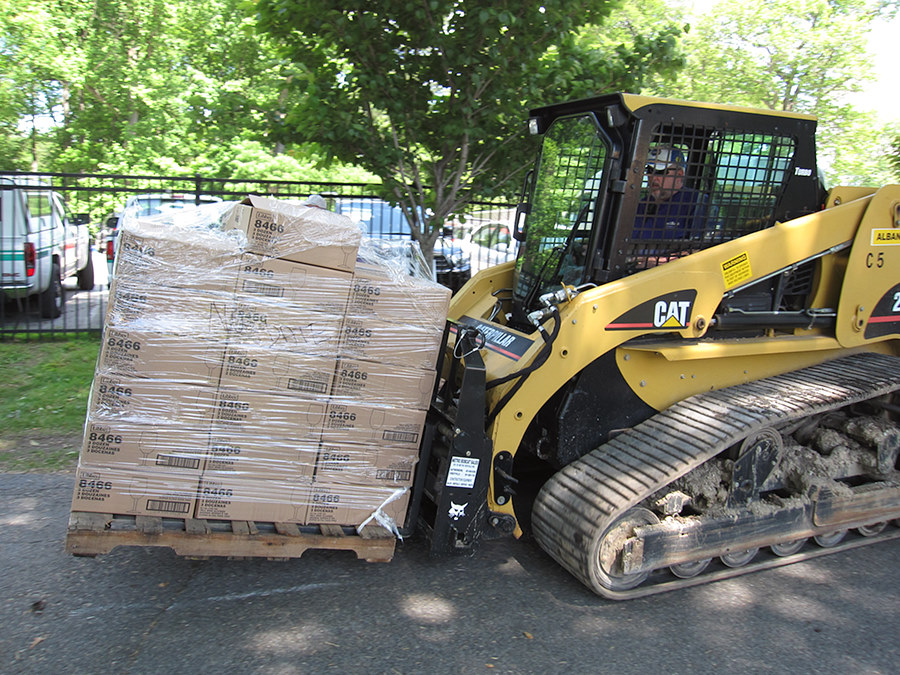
(450, 489)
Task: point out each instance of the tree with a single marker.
(805, 56)
(151, 86)
(32, 67)
(431, 96)
(12, 142)
(640, 43)
(163, 81)
(893, 154)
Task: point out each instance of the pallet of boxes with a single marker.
(261, 387)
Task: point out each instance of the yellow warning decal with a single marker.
(736, 270)
(886, 237)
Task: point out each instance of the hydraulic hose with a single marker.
(523, 374)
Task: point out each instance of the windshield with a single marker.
(151, 205)
(565, 194)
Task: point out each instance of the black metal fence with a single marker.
(478, 238)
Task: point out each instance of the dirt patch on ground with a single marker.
(23, 452)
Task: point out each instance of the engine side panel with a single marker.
(588, 411)
(869, 308)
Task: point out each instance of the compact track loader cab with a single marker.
(691, 369)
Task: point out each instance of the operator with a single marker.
(671, 211)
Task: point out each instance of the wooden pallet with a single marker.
(91, 534)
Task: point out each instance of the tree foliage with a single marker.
(806, 56)
(432, 96)
(893, 153)
(147, 86)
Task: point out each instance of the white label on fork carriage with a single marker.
(462, 472)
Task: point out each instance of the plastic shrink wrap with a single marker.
(260, 361)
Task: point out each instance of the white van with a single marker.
(41, 244)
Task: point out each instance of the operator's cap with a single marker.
(663, 157)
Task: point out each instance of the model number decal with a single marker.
(885, 319)
(875, 260)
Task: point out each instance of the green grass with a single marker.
(43, 401)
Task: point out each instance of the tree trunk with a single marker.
(426, 241)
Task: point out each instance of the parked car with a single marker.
(41, 244)
(383, 221)
(487, 243)
(142, 205)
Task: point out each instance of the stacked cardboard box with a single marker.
(259, 372)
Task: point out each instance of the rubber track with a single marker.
(581, 501)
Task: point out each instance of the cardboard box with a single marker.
(151, 254)
(390, 342)
(261, 457)
(118, 398)
(366, 465)
(374, 426)
(296, 232)
(352, 505)
(141, 305)
(270, 325)
(219, 316)
(383, 383)
(246, 412)
(305, 286)
(131, 491)
(231, 410)
(271, 370)
(162, 449)
(158, 355)
(228, 497)
(377, 292)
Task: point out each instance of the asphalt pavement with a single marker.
(509, 609)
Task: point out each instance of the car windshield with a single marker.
(151, 205)
(495, 234)
(381, 220)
